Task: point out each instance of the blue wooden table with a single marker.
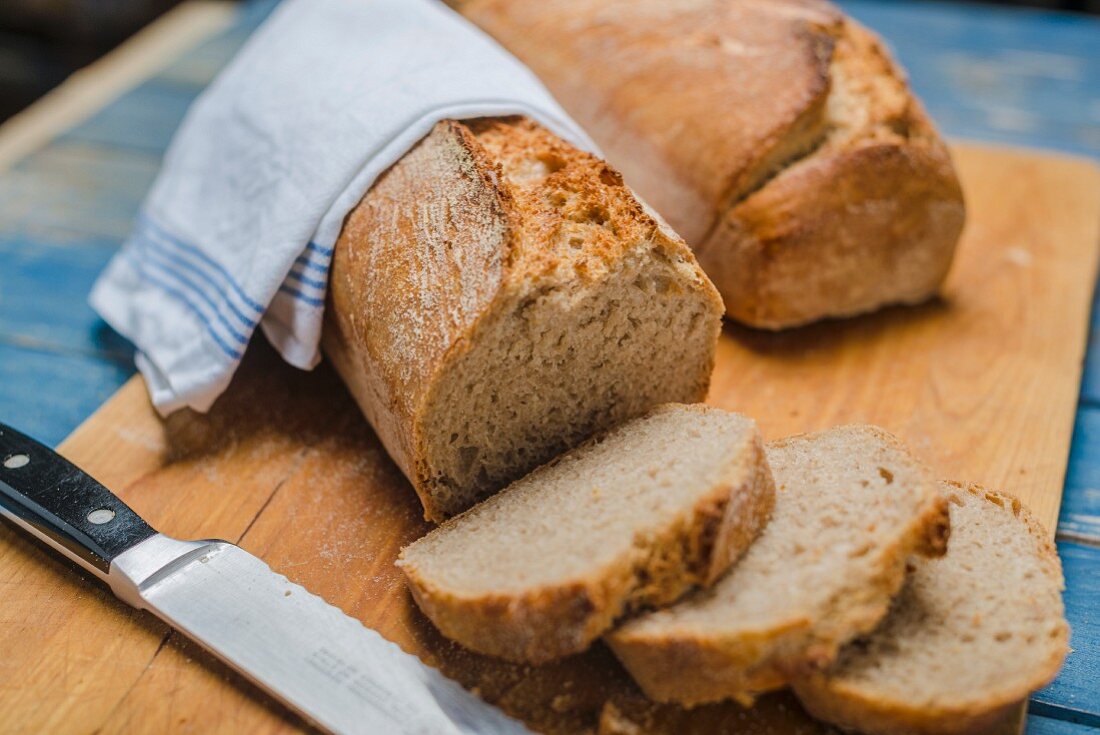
(1013, 76)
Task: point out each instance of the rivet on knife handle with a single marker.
(63, 506)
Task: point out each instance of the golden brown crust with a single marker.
(777, 137)
(691, 669)
(851, 712)
(621, 67)
(855, 709)
(381, 244)
(734, 526)
(572, 193)
(793, 251)
(869, 218)
(560, 620)
(384, 302)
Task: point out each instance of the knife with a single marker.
(339, 675)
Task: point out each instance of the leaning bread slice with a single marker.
(851, 506)
(968, 638)
(635, 517)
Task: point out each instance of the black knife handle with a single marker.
(55, 500)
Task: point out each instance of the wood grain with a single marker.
(983, 383)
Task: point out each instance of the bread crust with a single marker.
(793, 252)
(852, 709)
(869, 218)
(443, 245)
(777, 137)
(374, 311)
(551, 622)
(690, 668)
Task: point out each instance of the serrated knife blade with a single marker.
(320, 662)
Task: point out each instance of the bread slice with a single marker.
(851, 506)
(499, 296)
(779, 138)
(635, 517)
(970, 636)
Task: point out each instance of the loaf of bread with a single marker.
(970, 636)
(851, 506)
(634, 517)
(498, 296)
(778, 138)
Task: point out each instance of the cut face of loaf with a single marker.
(499, 296)
(777, 137)
(969, 637)
(851, 506)
(633, 518)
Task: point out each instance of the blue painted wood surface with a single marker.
(1075, 694)
(1080, 516)
(1037, 725)
(1014, 76)
(144, 118)
(44, 290)
(1090, 384)
(47, 392)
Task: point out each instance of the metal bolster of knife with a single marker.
(154, 559)
(68, 510)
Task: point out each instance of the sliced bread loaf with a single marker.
(968, 638)
(634, 517)
(851, 506)
(498, 297)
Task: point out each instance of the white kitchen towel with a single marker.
(238, 230)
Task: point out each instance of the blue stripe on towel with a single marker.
(180, 296)
(303, 260)
(145, 218)
(296, 276)
(150, 245)
(191, 287)
(301, 296)
(320, 250)
(146, 221)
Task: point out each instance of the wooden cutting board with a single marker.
(983, 383)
